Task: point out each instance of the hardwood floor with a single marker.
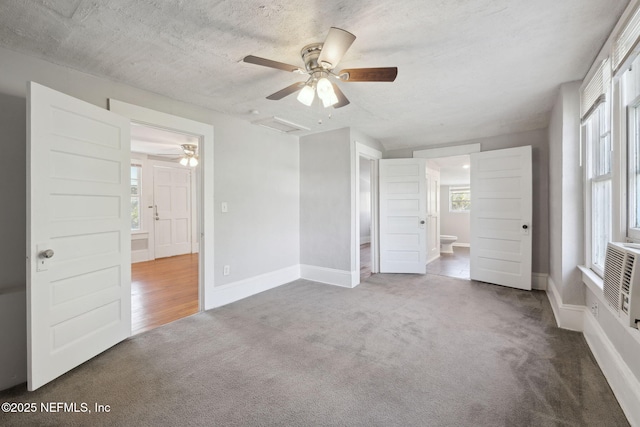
(163, 290)
(365, 261)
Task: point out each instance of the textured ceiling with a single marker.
(467, 68)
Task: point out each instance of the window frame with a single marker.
(459, 189)
(595, 176)
(633, 150)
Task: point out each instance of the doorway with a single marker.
(365, 212)
(365, 215)
(164, 228)
(455, 217)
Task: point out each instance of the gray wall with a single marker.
(325, 200)
(538, 139)
(256, 172)
(453, 223)
(13, 191)
(566, 249)
(13, 333)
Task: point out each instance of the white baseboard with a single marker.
(623, 382)
(539, 281)
(235, 291)
(567, 316)
(461, 245)
(329, 276)
(140, 256)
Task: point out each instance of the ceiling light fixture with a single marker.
(306, 95)
(323, 87)
(190, 158)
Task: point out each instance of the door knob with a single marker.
(525, 226)
(47, 254)
(422, 222)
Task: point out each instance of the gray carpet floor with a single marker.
(398, 350)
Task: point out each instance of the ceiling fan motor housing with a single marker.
(310, 54)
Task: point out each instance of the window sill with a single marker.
(592, 280)
(138, 235)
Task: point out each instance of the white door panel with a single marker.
(403, 245)
(433, 213)
(501, 212)
(172, 195)
(79, 299)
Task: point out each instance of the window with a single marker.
(459, 199)
(633, 156)
(598, 143)
(136, 222)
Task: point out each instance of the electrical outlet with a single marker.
(594, 309)
(226, 270)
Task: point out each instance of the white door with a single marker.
(403, 191)
(172, 198)
(433, 214)
(78, 233)
(501, 190)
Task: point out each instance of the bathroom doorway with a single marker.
(455, 218)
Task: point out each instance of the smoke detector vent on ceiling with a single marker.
(281, 125)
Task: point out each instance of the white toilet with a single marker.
(446, 243)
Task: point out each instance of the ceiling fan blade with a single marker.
(382, 74)
(335, 46)
(286, 91)
(342, 100)
(272, 64)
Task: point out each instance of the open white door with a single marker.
(501, 191)
(172, 198)
(78, 233)
(403, 211)
(433, 214)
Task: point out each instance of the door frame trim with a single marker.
(360, 150)
(204, 191)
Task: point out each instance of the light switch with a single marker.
(225, 207)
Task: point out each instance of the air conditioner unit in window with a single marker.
(622, 281)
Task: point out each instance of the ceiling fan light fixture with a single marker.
(329, 99)
(193, 162)
(184, 161)
(324, 87)
(306, 95)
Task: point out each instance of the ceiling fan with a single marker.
(320, 60)
(189, 156)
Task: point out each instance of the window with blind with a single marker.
(625, 44)
(599, 179)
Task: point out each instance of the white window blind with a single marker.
(626, 41)
(594, 92)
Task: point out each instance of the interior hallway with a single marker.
(163, 290)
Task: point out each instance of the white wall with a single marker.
(538, 139)
(256, 172)
(566, 248)
(453, 223)
(325, 200)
